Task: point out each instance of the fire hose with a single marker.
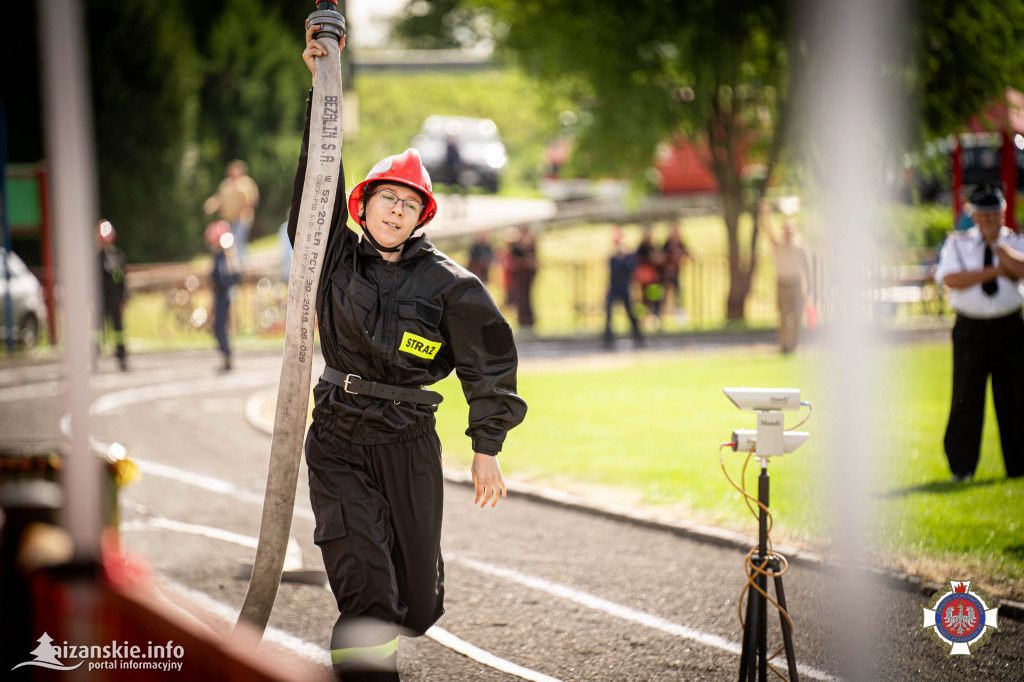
(314, 223)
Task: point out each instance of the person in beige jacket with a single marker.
(235, 201)
(792, 276)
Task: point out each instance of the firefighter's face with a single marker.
(392, 213)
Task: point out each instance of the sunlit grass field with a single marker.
(647, 428)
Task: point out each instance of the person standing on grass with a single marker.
(649, 263)
(522, 272)
(113, 265)
(675, 254)
(982, 268)
(223, 277)
(395, 315)
(792, 277)
(235, 201)
(481, 256)
(621, 266)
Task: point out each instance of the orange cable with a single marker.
(751, 569)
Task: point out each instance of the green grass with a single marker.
(649, 427)
(979, 526)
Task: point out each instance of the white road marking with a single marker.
(308, 650)
(292, 559)
(318, 654)
(214, 485)
(114, 401)
(447, 639)
(563, 591)
(620, 611)
(179, 389)
(50, 385)
(119, 399)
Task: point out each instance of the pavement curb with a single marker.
(721, 537)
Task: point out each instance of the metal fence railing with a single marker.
(569, 298)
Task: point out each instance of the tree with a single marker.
(729, 72)
(252, 103)
(961, 57)
(442, 24)
(145, 102)
(180, 88)
(715, 71)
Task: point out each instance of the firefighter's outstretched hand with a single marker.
(487, 480)
(314, 49)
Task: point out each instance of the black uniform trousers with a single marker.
(982, 348)
(378, 525)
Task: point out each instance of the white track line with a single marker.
(318, 654)
(307, 649)
(179, 389)
(302, 647)
(293, 555)
(620, 611)
(588, 600)
(447, 639)
(214, 485)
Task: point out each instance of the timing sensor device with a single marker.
(770, 438)
(755, 399)
(745, 440)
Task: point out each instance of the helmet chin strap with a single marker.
(377, 245)
(380, 247)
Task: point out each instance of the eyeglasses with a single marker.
(390, 199)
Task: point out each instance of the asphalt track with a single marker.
(534, 590)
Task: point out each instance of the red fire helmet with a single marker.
(405, 169)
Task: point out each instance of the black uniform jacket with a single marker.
(408, 323)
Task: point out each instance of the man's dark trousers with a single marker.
(982, 348)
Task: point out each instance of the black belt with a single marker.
(353, 383)
(1009, 317)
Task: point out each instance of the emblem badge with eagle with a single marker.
(960, 617)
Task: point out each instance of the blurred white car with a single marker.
(481, 151)
(27, 302)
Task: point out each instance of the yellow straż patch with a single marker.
(419, 346)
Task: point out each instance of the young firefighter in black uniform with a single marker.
(395, 314)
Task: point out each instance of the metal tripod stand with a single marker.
(754, 658)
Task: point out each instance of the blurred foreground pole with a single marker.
(5, 216)
(850, 122)
(71, 160)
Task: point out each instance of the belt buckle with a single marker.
(349, 378)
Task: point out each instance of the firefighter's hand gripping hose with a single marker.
(751, 569)
(318, 198)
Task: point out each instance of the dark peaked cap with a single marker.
(987, 198)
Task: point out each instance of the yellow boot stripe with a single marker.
(365, 653)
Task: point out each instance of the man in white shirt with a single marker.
(983, 268)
